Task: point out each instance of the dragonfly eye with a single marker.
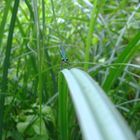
(63, 59)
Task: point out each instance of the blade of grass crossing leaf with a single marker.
(124, 57)
(6, 63)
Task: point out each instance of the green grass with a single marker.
(93, 20)
(3, 22)
(99, 37)
(124, 57)
(6, 62)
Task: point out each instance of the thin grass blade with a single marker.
(6, 63)
(124, 57)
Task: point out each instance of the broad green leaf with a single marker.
(21, 126)
(98, 118)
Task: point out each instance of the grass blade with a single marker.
(124, 57)
(94, 15)
(4, 18)
(30, 9)
(40, 57)
(6, 63)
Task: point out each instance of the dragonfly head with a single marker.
(65, 60)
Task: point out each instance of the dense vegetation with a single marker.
(38, 38)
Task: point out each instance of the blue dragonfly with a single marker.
(63, 54)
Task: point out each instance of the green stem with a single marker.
(6, 63)
(94, 15)
(40, 56)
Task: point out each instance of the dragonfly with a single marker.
(63, 54)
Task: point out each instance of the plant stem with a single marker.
(6, 63)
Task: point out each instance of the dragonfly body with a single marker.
(63, 54)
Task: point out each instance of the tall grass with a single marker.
(97, 36)
(40, 57)
(124, 57)
(6, 62)
(3, 22)
(93, 20)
